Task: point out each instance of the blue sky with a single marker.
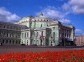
(68, 11)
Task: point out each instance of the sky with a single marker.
(67, 11)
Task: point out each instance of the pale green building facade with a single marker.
(44, 31)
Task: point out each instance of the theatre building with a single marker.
(45, 31)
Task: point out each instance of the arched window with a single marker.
(27, 42)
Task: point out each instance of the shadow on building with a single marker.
(66, 42)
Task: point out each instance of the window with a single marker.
(7, 34)
(27, 34)
(34, 42)
(3, 41)
(22, 35)
(16, 41)
(35, 20)
(54, 35)
(67, 35)
(19, 42)
(11, 27)
(10, 41)
(27, 42)
(37, 34)
(41, 25)
(4, 26)
(13, 41)
(10, 34)
(47, 24)
(22, 42)
(53, 27)
(6, 41)
(8, 27)
(42, 33)
(64, 34)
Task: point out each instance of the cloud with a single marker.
(52, 12)
(65, 21)
(7, 16)
(74, 6)
(79, 32)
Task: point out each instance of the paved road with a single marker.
(8, 49)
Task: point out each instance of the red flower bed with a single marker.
(48, 56)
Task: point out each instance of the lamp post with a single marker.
(42, 39)
(51, 41)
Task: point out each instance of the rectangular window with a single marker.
(41, 25)
(64, 34)
(13, 41)
(27, 34)
(4, 26)
(42, 33)
(22, 35)
(37, 34)
(7, 34)
(54, 35)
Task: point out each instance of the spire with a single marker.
(41, 14)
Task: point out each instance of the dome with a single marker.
(24, 19)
